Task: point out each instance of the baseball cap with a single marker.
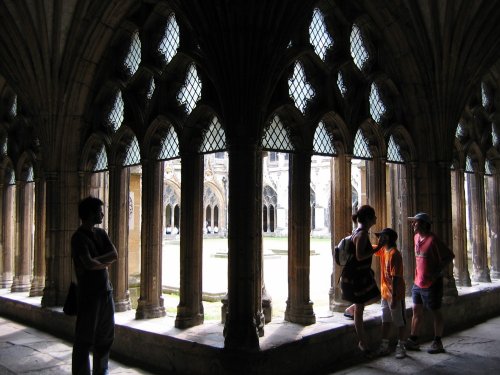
(422, 216)
(391, 233)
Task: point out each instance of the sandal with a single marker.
(367, 353)
(349, 316)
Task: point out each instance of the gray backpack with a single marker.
(344, 251)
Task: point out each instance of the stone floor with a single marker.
(25, 350)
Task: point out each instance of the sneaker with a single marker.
(383, 351)
(411, 345)
(400, 351)
(436, 347)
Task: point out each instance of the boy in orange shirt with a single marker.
(392, 287)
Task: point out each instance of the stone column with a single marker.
(477, 214)
(493, 211)
(190, 308)
(2, 230)
(406, 181)
(62, 220)
(244, 315)
(38, 281)
(118, 217)
(23, 259)
(299, 307)
(9, 220)
(376, 192)
(341, 220)
(459, 228)
(150, 304)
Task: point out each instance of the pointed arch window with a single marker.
(151, 89)
(116, 114)
(101, 160)
(31, 176)
(469, 168)
(4, 148)
(214, 138)
(133, 156)
(377, 108)
(13, 109)
(10, 177)
(361, 146)
(341, 84)
(276, 136)
(394, 151)
(494, 136)
(484, 95)
(460, 131)
(169, 145)
(359, 52)
(299, 89)
(170, 41)
(323, 141)
(488, 170)
(318, 34)
(133, 58)
(190, 93)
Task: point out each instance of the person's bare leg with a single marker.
(416, 320)
(438, 322)
(358, 324)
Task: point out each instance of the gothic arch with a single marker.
(338, 129)
(119, 146)
(26, 161)
(91, 149)
(157, 130)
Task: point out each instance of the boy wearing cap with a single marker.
(392, 287)
(432, 257)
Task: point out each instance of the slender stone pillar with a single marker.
(2, 221)
(493, 211)
(459, 228)
(62, 221)
(8, 218)
(190, 308)
(150, 304)
(376, 191)
(341, 220)
(299, 307)
(38, 281)
(23, 260)
(475, 189)
(406, 181)
(118, 218)
(244, 314)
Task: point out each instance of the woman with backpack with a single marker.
(357, 281)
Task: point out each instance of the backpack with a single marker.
(344, 251)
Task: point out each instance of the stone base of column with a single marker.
(6, 280)
(148, 311)
(123, 305)
(495, 274)
(463, 279)
(241, 335)
(37, 286)
(50, 297)
(482, 276)
(300, 314)
(450, 292)
(189, 321)
(21, 284)
(267, 309)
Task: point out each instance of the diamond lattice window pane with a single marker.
(133, 58)
(151, 89)
(101, 163)
(377, 108)
(468, 165)
(361, 146)
(358, 49)
(276, 137)
(484, 95)
(169, 145)
(115, 116)
(460, 131)
(341, 84)
(170, 41)
(323, 142)
(133, 156)
(393, 151)
(318, 35)
(298, 88)
(13, 109)
(494, 136)
(214, 138)
(190, 93)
